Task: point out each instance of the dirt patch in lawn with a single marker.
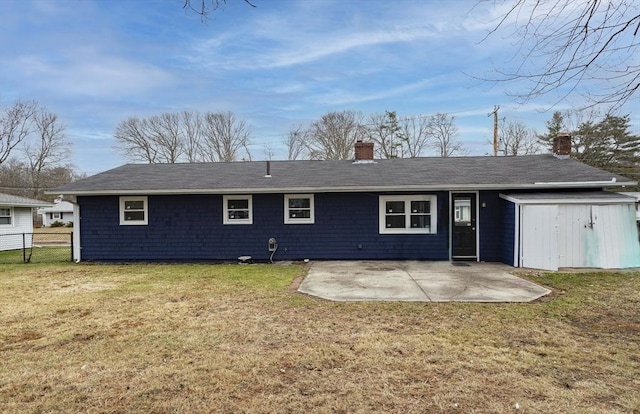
(229, 338)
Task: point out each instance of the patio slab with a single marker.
(417, 281)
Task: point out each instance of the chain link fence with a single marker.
(36, 247)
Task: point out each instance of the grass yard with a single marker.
(230, 338)
(37, 254)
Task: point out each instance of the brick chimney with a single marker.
(562, 146)
(364, 151)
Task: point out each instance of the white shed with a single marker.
(16, 220)
(581, 229)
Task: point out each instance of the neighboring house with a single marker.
(61, 211)
(16, 220)
(534, 211)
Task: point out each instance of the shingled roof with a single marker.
(17, 201)
(420, 174)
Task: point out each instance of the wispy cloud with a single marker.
(324, 47)
(349, 98)
(89, 75)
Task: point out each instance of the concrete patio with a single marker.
(417, 281)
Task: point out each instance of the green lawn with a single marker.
(45, 254)
(237, 338)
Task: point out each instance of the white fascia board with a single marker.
(31, 205)
(346, 189)
(586, 200)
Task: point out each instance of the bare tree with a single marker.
(566, 44)
(296, 142)
(225, 137)
(16, 123)
(397, 137)
(133, 140)
(443, 134)
(415, 132)
(333, 136)
(15, 178)
(203, 7)
(165, 131)
(157, 139)
(192, 134)
(35, 149)
(516, 139)
(387, 135)
(48, 148)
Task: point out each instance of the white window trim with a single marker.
(290, 220)
(54, 214)
(144, 222)
(433, 199)
(225, 209)
(11, 217)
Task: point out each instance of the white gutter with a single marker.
(613, 181)
(344, 189)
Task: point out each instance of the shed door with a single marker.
(539, 236)
(615, 236)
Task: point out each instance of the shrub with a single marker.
(69, 224)
(57, 223)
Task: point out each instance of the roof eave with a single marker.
(24, 205)
(358, 189)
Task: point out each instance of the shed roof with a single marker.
(532, 171)
(17, 201)
(591, 197)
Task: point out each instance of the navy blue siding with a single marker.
(490, 226)
(508, 232)
(189, 228)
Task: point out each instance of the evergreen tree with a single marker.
(554, 126)
(609, 145)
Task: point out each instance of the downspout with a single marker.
(76, 232)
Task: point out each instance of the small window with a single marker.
(56, 216)
(298, 209)
(133, 211)
(6, 217)
(462, 212)
(408, 214)
(237, 209)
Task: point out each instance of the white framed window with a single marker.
(6, 216)
(237, 209)
(134, 211)
(298, 209)
(408, 214)
(56, 216)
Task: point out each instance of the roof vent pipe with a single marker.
(268, 175)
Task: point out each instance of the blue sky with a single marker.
(285, 62)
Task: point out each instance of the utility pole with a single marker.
(495, 129)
